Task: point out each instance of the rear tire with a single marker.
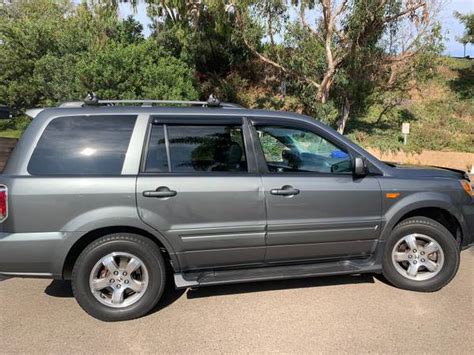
(119, 277)
(420, 255)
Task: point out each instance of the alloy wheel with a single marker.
(418, 257)
(119, 279)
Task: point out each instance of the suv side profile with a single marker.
(112, 196)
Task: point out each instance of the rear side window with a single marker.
(196, 148)
(83, 145)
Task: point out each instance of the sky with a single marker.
(452, 28)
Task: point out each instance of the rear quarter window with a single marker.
(83, 145)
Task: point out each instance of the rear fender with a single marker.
(105, 218)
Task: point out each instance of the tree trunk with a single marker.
(323, 90)
(346, 109)
(383, 112)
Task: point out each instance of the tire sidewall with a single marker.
(442, 236)
(150, 256)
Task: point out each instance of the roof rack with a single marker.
(93, 100)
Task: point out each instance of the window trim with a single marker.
(262, 163)
(202, 121)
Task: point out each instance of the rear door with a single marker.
(316, 208)
(199, 187)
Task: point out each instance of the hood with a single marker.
(406, 170)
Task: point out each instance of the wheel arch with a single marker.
(83, 241)
(440, 210)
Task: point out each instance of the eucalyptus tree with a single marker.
(339, 47)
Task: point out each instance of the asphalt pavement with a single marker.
(355, 314)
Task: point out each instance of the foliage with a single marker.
(341, 50)
(52, 51)
(440, 114)
(13, 128)
(139, 70)
(468, 21)
(203, 35)
(364, 66)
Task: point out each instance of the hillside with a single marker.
(440, 112)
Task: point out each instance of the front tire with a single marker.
(420, 255)
(119, 277)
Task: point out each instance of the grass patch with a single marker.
(14, 127)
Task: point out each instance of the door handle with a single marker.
(160, 192)
(286, 190)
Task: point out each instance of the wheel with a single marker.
(119, 277)
(420, 255)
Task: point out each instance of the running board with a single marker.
(220, 277)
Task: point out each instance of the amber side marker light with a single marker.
(392, 195)
(466, 185)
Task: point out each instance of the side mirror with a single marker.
(360, 166)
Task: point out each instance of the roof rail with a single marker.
(147, 103)
(158, 102)
(93, 100)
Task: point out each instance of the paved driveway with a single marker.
(333, 314)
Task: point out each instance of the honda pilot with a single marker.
(114, 195)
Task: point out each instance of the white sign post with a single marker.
(405, 131)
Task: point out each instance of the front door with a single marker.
(316, 208)
(198, 188)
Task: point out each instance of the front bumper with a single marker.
(468, 230)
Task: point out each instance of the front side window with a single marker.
(83, 145)
(196, 148)
(297, 150)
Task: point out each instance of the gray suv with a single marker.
(117, 195)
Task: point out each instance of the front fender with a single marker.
(416, 201)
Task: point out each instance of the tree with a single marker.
(138, 70)
(53, 51)
(203, 34)
(338, 41)
(468, 35)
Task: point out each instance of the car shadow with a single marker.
(222, 290)
(62, 288)
(59, 288)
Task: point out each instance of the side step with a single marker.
(220, 277)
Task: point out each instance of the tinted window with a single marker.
(297, 150)
(83, 145)
(197, 149)
(156, 159)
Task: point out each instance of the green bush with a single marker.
(134, 71)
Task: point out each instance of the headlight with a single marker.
(466, 185)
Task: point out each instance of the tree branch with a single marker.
(284, 69)
(267, 60)
(392, 18)
(341, 8)
(307, 25)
